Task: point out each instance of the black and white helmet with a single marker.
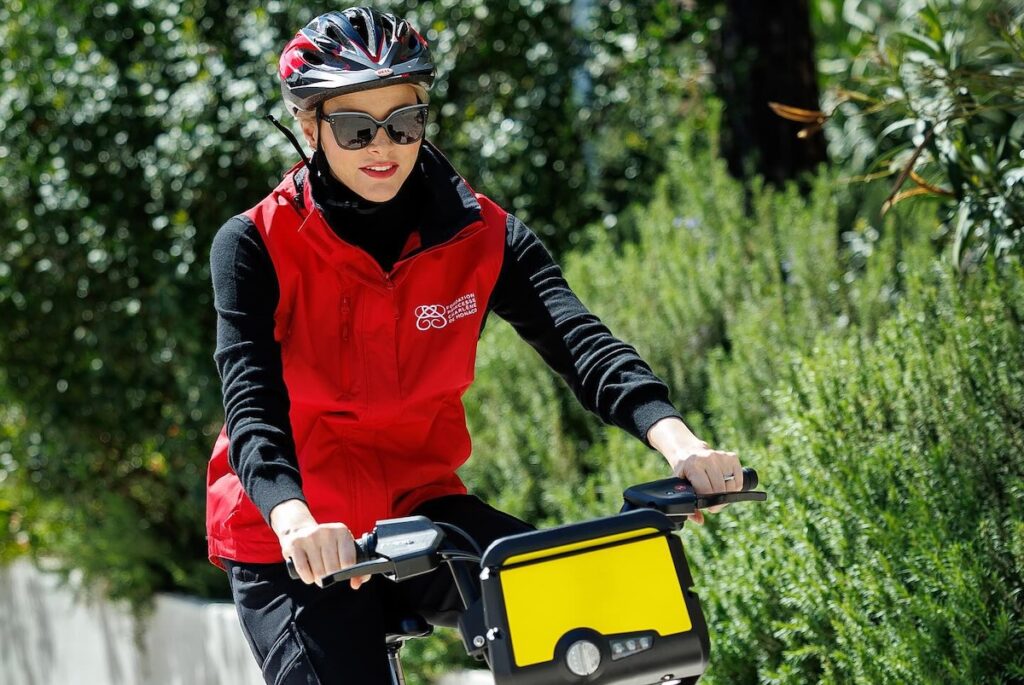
(353, 49)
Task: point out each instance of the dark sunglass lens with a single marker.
(353, 133)
(407, 127)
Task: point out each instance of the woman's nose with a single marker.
(381, 138)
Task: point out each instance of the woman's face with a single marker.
(348, 165)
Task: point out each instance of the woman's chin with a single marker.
(378, 193)
(381, 196)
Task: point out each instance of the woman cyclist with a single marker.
(349, 305)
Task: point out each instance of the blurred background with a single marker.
(806, 215)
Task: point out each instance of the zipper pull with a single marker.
(346, 312)
(390, 285)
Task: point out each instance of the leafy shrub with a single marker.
(928, 96)
(892, 547)
(700, 274)
(13, 503)
(779, 337)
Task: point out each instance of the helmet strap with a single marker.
(319, 114)
(294, 142)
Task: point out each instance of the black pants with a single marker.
(306, 635)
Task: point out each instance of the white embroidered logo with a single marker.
(430, 316)
(438, 315)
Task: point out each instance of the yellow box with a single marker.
(604, 601)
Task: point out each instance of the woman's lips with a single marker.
(379, 174)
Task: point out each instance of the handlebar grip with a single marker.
(676, 497)
(365, 548)
(749, 479)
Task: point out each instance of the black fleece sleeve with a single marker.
(607, 376)
(248, 358)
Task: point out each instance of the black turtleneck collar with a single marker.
(379, 228)
(434, 199)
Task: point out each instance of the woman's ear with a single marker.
(309, 131)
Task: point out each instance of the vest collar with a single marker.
(452, 208)
(452, 202)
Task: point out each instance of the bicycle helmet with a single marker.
(353, 49)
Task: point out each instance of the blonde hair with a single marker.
(310, 114)
(302, 115)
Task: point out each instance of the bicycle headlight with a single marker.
(583, 657)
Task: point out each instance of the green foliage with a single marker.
(880, 403)
(890, 550)
(554, 110)
(935, 102)
(103, 288)
(427, 660)
(700, 274)
(15, 497)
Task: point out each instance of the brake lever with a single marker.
(713, 499)
(366, 568)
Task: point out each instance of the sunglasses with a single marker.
(356, 130)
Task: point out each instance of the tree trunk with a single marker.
(766, 54)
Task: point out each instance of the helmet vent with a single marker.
(334, 33)
(359, 24)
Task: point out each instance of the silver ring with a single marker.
(729, 476)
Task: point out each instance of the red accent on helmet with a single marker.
(292, 56)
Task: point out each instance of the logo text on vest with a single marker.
(438, 315)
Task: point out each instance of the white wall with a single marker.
(56, 636)
(52, 635)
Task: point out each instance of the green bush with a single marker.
(700, 274)
(892, 547)
(13, 503)
(853, 358)
(933, 88)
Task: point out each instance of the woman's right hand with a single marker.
(316, 549)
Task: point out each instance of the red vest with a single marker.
(375, 365)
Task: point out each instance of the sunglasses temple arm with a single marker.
(293, 141)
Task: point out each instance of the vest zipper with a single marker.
(347, 354)
(346, 318)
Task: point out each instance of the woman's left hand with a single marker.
(706, 469)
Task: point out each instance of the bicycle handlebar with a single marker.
(405, 547)
(398, 548)
(676, 498)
